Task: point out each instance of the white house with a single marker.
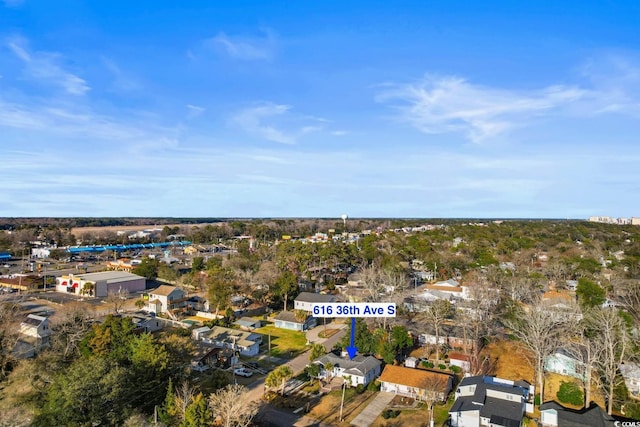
(359, 370)
(491, 401)
(306, 300)
(631, 373)
(553, 414)
(247, 343)
(288, 320)
(564, 363)
(416, 383)
(37, 328)
(165, 298)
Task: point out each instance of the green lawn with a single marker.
(283, 341)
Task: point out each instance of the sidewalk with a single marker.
(373, 409)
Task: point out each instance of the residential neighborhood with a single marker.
(460, 351)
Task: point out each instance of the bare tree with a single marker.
(233, 405)
(541, 329)
(614, 343)
(436, 313)
(184, 395)
(69, 326)
(117, 299)
(10, 317)
(432, 391)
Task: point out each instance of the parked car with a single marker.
(243, 372)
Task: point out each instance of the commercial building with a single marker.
(100, 284)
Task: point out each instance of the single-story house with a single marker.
(631, 373)
(491, 401)
(461, 360)
(306, 300)
(146, 322)
(415, 383)
(450, 335)
(552, 414)
(288, 320)
(411, 362)
(248, 323)
(564, 363)
(359, 370)
(247, 343)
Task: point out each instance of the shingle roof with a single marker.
(414, 377)
(288, 316)
(359, 365)
(593, 416)
(163, 290)
(313, 297)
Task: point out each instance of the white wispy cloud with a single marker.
(246, 47)
(439, 104)
(276, 122)
(122, 82)
(194, 111)
(46, 68)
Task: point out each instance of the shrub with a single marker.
(373, 386)
(456, 369)
(570, 393)
(360, 388)
(441, 366)
(390, 413)
(536, 400)
(427, 364)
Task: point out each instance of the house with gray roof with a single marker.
(246, 343)
(491, 401)
(288, 320)
(359, 370)
(552, 414)
(305, 300)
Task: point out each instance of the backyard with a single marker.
(284, 342)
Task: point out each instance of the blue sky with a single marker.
(314, 109)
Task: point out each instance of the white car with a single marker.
(243, 372)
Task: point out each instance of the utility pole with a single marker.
(344, 388)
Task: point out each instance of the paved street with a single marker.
(297, 364)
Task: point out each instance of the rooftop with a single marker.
(415, 377)
(108, 276)
(313, 297)
(359, 365)
(164, 290)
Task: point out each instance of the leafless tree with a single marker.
(613, 341)
(10, 318)
(436, 313)
(233, 406)
(432, 390)
(585, 349)
(541, 329)
(184, 395)
(69, 326)
(117, 299)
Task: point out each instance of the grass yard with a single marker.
(418, 417)
(508, 361)
(328, 408)
(283, 341)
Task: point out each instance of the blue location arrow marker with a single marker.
(352, 349)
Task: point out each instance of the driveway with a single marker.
(373, 409)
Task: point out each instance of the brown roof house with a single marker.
(415, 383)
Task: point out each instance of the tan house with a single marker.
(415, 383)
(166, 298)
